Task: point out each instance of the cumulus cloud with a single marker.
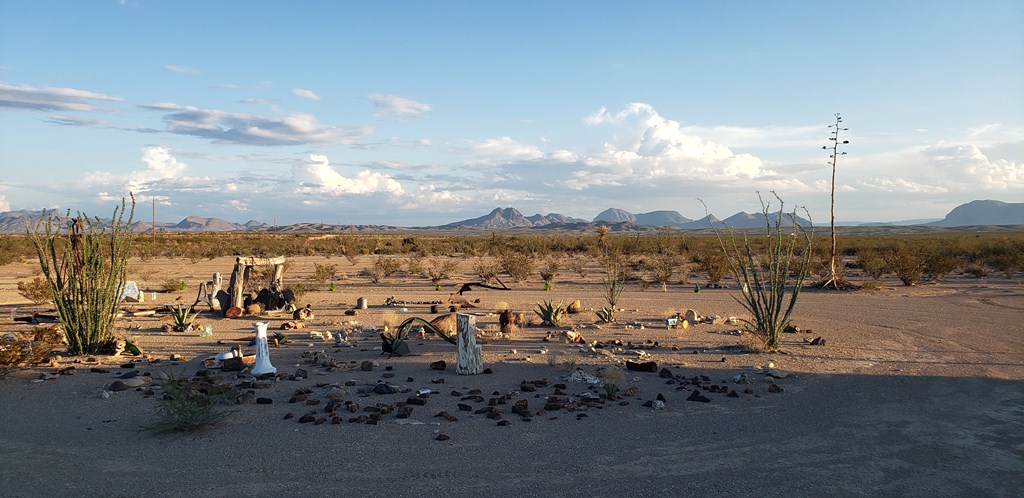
(30, 98)
(248, 129)
(317, 176)
(968, 165)
(898, 185)
(648, 145)
(4, 204)
(394, 105)
(306, 94)
(180, 69)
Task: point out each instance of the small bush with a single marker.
(190, 405)
(438, 269)
(873, 264)
(37, 290)
(549, 270)
(173, 285)
(382, 268)
(715, 265)
(487, 270)
(323, 273)
(577, 265)
(23, 351)
(907, 263)
(939, 263)
(977, 270)
(519, 265)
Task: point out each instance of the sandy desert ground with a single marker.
(917, 392)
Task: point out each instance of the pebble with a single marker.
(264, 401)
(442, 437)
(438, 365)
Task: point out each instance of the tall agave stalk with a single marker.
(85, 265)
(764, 276)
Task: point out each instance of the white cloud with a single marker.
(899, 185)
(306, 94)
(26, 97)
(239, 128)
(4, 204)
(504, 148)
(648, 145)
(180, 69)
(968, 165)
(317, 176)
(394, 105)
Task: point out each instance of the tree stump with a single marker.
(468, 355)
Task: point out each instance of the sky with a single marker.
(414, 113)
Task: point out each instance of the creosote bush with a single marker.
(190, 405)
(20, 350)
(36, 290)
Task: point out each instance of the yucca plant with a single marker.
(550, 313)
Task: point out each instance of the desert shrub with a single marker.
(414, 265)
(663, 267)
(36, 290)
(323, 273)
(518, 265)
(486, 269)
(614, 378)
(85, 266)
(578, 265)
(190, 405)
(977, 270)
(612, 287)
(382, 268)
(873, 263)
(764, 275)
(173, 285)
(549, 270)
(907, 263)
(938, 263)
(715, 265)
(23, 350)
(438, 269)
(1007, 262)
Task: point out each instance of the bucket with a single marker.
(361, 303)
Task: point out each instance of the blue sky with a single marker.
(423, 113)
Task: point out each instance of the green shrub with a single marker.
(518, 265)
(323, 273)
(190, 405)
(907, 263)
(550, 314)
(173, 285)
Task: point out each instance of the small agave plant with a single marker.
(550, 313)
(183, 317)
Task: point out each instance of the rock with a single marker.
(232, 365)
(527, 387)
(289, 415)
(661, 397)
(298, 398)
(665, 373)
(733, 394)
(134, 382)
(575, 307)
(307, 418)
(503, 423)
(718, 320)
(442, 437)
(366, 366)
(337, 394)
(99, 370)
(488, 371)
(774, 388)
(301, 373)
(117, 385)
(817, 341)
(697, 396)
(130, 364)
(416, 400)
(384, 388)
(438, 365)
(264, 401)
(464, 407)
(647, 366)
(447, 416)
(659, 405)
(404, 412)
(312, 402)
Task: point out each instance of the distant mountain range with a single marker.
(974, 213)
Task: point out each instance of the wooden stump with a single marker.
(468, 355)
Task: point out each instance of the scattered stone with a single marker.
(301, 373)
(527, 387)
(117, 385)
(733, 394)
(337, 394)
(320, 420)
(99, 370)
(464, 407)
(665, 373)
(384, 388)
(416, 400)
(134, 382)
(312, 402)
(488, 371)
(289, 415)
(817, 341)
(404, 412)
(503, 423)
(442, 437)
(647, 366)
(661, 397)
(264, 401)
(438, 365)
(697, 396)
(447, 416)
(774, 388)
(130, 364)
(307, 418)
(298, 398)
(366, 366)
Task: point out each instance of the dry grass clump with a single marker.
(36, 290)
(20, 350)
(189, 405)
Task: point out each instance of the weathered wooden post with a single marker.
(468, 355)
